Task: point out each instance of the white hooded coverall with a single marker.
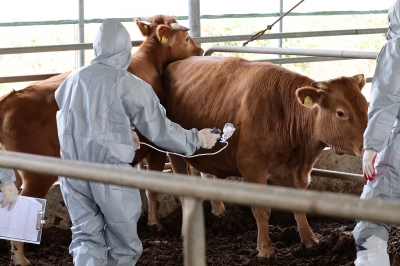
(382, 133)
(100, 104)
(7, 176)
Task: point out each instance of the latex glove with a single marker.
(207, 139)
(10, 195)
(136, 141)
(368, 164)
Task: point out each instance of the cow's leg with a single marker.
(193, 171)
(255, 172)
(31, 188)
(217, 206)
(155, 162)
(306, 234)
(178, 164)
(264, 245)
(17, 248)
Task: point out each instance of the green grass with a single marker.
(26, 64)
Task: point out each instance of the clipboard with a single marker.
(24, 223)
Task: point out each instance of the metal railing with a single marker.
(315, 172)
(319, 56)
(196, 189)
(293, 51)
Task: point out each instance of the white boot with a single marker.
(375, 253)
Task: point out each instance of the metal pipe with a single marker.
(194, 247)
(81, 32)
(291, 51)
(222, 16)
(304, 59)
(287, 35)
(11, 79)
(288, 199)
(280, 24)
(52, 48)
(26, 78)
(338, 175)
(320, 172)
(194, 18)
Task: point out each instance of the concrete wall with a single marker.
(342, 163)
(57, 215)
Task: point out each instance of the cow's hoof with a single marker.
(217, 208)
(309, 240)
(20, 262)
(267, 261)
(154, 228)
(310, 244)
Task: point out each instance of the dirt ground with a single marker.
(231, 240)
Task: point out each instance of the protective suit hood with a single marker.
(394, 21)
(112, 45)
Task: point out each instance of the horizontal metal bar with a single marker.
(304, 59)
(288, 199)
(11, 79)
(251, 15)
(320, 172)
(292, 51)
(52, 48)
(338, 175)
(286, 35)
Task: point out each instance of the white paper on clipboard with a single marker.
(24, 222)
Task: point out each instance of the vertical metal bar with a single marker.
(194, 246)
(194, 18)
(81, 32)
(280, 24)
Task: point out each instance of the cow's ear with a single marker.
(143, 27)
(309, 96)
(164, 34)
(361, 80)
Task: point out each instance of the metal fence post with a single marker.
(194, 18)
(81, 33)
(193, 232)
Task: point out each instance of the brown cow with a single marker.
(283, 121)
(27, 117)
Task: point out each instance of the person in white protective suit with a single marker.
(8, 188)
(100, 105)
(382, 141)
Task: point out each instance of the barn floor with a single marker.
(231, 240)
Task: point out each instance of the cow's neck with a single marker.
(306, 129)
(148, 63)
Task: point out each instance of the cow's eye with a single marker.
(187, 39)
(341, 114)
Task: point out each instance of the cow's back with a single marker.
(27, 120)
(258, 98)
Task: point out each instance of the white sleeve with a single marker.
(149, 117)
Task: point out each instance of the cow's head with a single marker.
(173, 37)
(342, 112)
